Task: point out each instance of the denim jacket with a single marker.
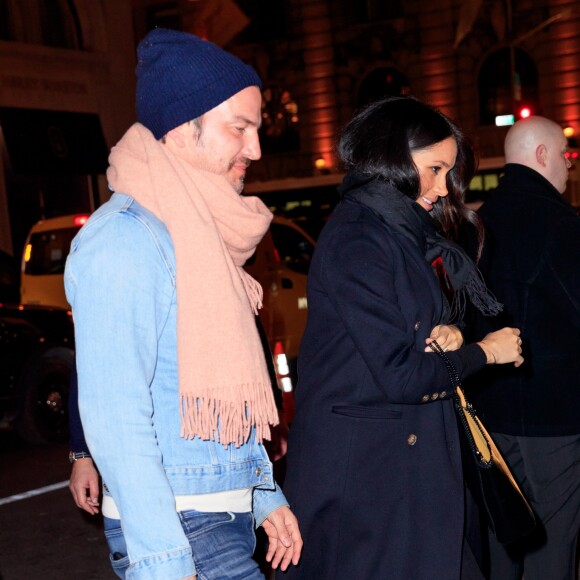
(120, 282)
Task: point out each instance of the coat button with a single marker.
(425, 398)
(417, 325)
(412, 439)
(443, 394)
(258, 472)
(434, 396)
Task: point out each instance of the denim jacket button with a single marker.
(258, 472)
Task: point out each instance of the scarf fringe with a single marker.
(254, 291)
(209, 417)
(481, 297)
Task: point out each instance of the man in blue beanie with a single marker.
(173, 387)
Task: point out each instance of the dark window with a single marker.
(382, 82)
(58, 24)
(369, 11)
(48, 251)
(163, 15)
(267, 20)
(294, 250)
(504, 93)
(279, 130)
(309, 207)
(6, 31)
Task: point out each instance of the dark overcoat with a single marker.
(374, 469)
(532, 263)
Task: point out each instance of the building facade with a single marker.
(66, 95)
(320, 61)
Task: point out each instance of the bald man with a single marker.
(531, 261)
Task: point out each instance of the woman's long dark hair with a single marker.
(379, 142)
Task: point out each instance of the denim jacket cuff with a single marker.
(267, 501)
(173, 564)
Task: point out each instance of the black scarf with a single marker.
(407, 218)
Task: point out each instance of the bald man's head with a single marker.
(539, 144)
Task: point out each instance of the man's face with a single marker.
(228, 140)
(557, 164)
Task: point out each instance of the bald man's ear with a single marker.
(541, 155)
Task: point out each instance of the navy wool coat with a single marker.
(374, 468)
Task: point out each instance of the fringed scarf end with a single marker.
(227, 422)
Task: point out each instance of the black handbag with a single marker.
(488, 478)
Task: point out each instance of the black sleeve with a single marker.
(77, 436)
(269, 364)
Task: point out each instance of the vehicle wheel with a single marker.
(45, 387)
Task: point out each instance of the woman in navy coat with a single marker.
(374, 469)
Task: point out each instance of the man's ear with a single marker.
(541, 155)
(179, 135)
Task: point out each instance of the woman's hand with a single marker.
(503, 346)
(448, 337)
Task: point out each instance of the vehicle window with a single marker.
(47, 251)
(309, 207)
(294, 249)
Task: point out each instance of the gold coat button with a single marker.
(412, 439)
(425, 398)
(417, 325)
(434, 396)
(443, 394)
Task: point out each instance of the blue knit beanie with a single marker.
(181, 76)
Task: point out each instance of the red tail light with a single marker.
(80, 220)
(284, 380)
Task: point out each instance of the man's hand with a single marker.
(84, 485)
(285, 541)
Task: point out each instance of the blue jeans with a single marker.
(222, 543)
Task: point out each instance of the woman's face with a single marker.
(433, 165)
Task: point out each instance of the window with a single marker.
(294, 249)
(45, 22)
(48, 251)
(309, 206)
(382, 82)
(6, 25)
(368, 11)
(267, 20)
(500, 93)
(279, 130)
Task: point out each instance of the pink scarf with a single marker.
(224, 385)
